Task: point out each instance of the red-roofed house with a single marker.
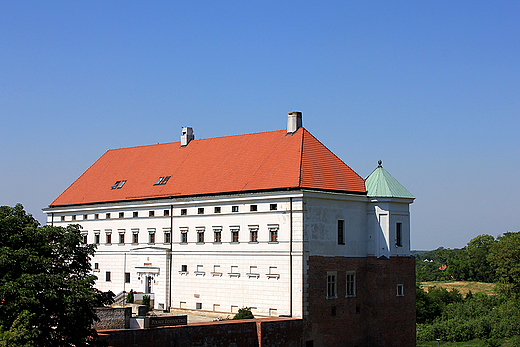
(273, 221)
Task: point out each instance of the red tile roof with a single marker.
(232, 164)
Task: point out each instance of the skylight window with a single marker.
(162, 181)
(118, 184)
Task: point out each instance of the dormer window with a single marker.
(162, 180)
(118, 184)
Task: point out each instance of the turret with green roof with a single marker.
(381, 184)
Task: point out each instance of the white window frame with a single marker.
(332, 280)
(352, 282)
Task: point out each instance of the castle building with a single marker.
(273, 221)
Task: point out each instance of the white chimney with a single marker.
(187, 136)
(294, 121)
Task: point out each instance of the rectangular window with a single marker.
(184, 268)
(84, 238)
(398, 235)
(218, 235)
(217, 209)
(341, 232)
(198, 305)
(273, 207)
(108, 215)
(234, 235)
(135, 214)
(108, 238)
(273, 235)
(167, 237)
(200, 236)
(273, 232)
(254, 234)
(200, 268)
(351, 283)
(122, 238)
(400, 290)
(63, 218)
(216, 269)
(108, 276)
(127, 277)
(96, 266)
(73, 217)
(96, 215)
(184, 211)
(96, 239)
(85, 216)
(331, 285)
(151, 237)
(253, 208)
(234, 269)
(121, 215)
(135, 237)
(234, 208)
(166, 213)
(184, 235)
(151, 213)
(200, 210)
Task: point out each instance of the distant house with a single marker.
(273, 221)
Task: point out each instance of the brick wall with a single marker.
(263, 332)
(376, 316)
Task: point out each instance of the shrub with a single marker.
(130, 297)
(146, 302)
(244, 313)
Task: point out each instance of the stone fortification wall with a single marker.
(263, 332)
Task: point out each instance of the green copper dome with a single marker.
(381, 184)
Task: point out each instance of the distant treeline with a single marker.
(447, 315)
(471, 263)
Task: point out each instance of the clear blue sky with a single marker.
(430, 87)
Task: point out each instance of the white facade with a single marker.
(262, 267)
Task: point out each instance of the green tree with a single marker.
(47, 292)
(478, 266)
(505, 256)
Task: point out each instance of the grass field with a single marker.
(463, 287)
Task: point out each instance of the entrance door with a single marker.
(148, 285)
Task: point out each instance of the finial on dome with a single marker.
(379, 163)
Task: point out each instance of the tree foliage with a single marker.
(244, 313)
(470, 263)
(445, 315)
(505, 256)
(47, 292)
